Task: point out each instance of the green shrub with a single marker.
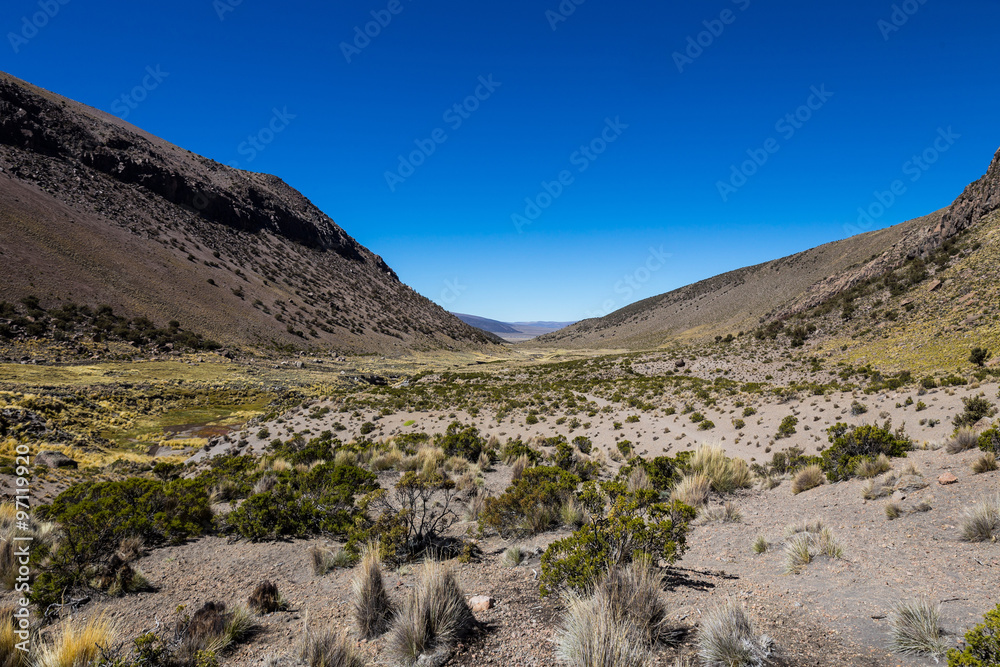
(787, 427)
(662, 471)
(706, 425)
(97, 516)
(989, 440)
(624, 526)
(979, 356)
(739, 424)
(367, 428)
(976, 408)
(982, 644)
(583, 443)
(531, 504)
(320, 501)
(514, 449)
(531, 419)
(851, 444)
(464, 441)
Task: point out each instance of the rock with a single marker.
(481, 602)
(933, 285)
(947, 478)
(54, 460)
(299, 364)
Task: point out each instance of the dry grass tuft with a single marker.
(213, 629)
(77, 645)
(981, 522)
(808, 478)
(987, 462)
(620, 623)
(807, 541)
(726, 474)
(434, 618)
(329, 649)
(915, 628)
(571, 513)
(266, 599)
(638, 480)
(513, 556)
(868, 468)
(520, 464)
(325, 559)
(725, 513)
(693, 490)
(760, 545)
(372, 608)
(728, 637)
(10, 655)
(893, 511)
(963, 440)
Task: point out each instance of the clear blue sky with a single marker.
(447, 228)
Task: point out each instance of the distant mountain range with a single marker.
(512, 331)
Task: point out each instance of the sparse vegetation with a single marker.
(916, 629)
(981, 522)
(728, 637)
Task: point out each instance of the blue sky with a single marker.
(600, 152)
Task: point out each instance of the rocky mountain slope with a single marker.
(744, 299)
(95, 211)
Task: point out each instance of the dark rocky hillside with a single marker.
(95, 211)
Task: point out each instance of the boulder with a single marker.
(481, 602)
(947, 478)
(54, 460)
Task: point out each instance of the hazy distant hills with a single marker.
(744, 299)
(512, 331)
(96, 211)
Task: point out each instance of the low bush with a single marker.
(976, 408)
(852, 444)
(531, 504)
(623, 526)
(982, 644)
(464, 441)
(989, 440)
(300, 504)
(96, 517)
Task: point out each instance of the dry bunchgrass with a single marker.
(964, 439)
(518, 467)
(214, 629)
(915, 628)
(638, 480)
(372, 608)
(265, 598)
(805, 541)
(329, 649)
(726, 474)
(387, 460)
(693, 490)
(987, 462)
(571, 513)
(760, 545)
(893, 510)
(768, 482)
(868, 467)
(513, 556)
(879, 487)
(725, 513)
(981, 522)
(325, 559)
(728, 637)
(475, 505)
(619, 623)
(77, 643)
(10, 654)
(808, 478)
(433, 619)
